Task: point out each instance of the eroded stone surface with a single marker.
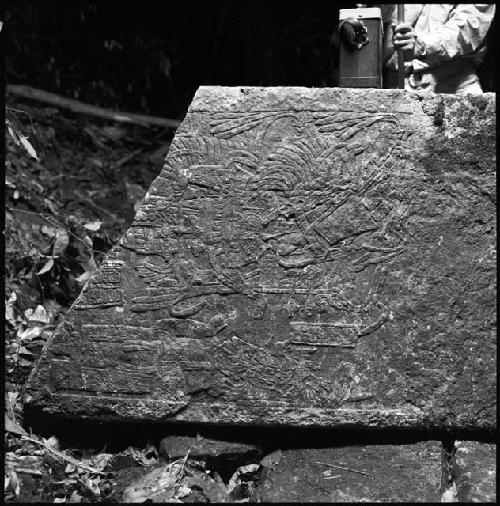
(475, 471)
(306, 257)
(175, 447)
(378, 473)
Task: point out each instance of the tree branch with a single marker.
(24, 91)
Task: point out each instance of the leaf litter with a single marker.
(189, 479)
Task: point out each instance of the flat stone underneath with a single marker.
(378, 473)
(475, 471)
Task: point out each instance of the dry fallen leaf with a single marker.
(24, 351)
(14, 484)
(39, 315)
(49, 231)
(102, 460)
(164, 481)
(52, 442)
(82, 278)
(52, 308)
(248, 469)
(93, 226)
(9, 309)
(236, 481)
(30, 333)
(47, 267)
(11, 403)
(61, 242)
(182, 491)
(75, 497)
(93, 484)
(12, 133)
(14, 427)
(28, 147)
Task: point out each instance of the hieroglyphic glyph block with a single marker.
(305, 257)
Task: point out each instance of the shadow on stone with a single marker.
(116, 436)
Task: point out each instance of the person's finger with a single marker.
(398, 42)
(402, 27)
(404, 47)
(404, 37)
(409, 40)
(400, 35)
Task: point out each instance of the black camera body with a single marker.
(360, 58)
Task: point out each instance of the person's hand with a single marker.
(404, 38)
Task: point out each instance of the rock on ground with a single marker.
(475, 471)
(216, 453)
(388, 473)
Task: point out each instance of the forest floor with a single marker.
(73, 184)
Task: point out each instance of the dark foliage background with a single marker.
(150, 56)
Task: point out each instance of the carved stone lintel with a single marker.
(305, 257)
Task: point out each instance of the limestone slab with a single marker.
(475, 471)
(378, 473)
(208, 450)
(306, 257)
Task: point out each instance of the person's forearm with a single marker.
(462, 34)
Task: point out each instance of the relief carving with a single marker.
(297, 260)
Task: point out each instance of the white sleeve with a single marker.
(462, 34)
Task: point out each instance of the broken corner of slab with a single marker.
(320, 257)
